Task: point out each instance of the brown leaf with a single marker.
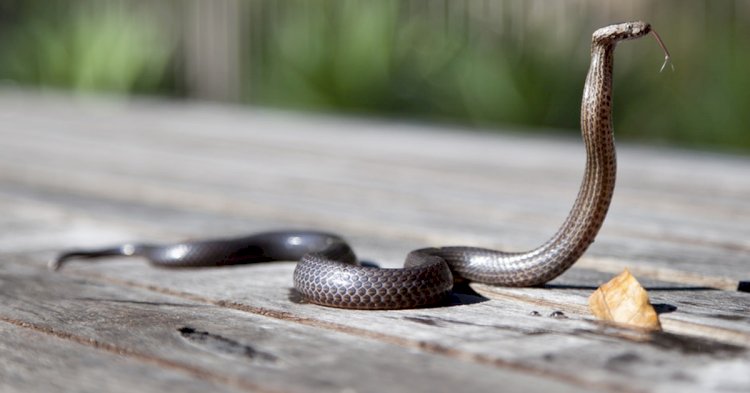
(623, 300)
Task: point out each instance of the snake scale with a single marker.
(328, 272)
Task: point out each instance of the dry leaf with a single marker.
(623, 300)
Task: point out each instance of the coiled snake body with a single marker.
(328, 273)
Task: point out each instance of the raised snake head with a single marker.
(622, 31)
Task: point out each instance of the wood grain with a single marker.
(84, 173)
(241, 350)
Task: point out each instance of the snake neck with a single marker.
(595, 193)
(579, 229)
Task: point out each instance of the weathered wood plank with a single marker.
(705, 307)
(31, 361)
(265, 291)
(243, 351)
(502, 330)
(710, 313)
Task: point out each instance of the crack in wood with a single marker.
(126, 301)
(217, 343)
(685, 344)
(446, 322)
(191, 370)
(694, 345)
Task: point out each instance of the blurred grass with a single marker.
(84, 48)
(486, 64)
(359, 59)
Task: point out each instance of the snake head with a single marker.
(621, 31)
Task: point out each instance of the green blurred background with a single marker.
(487, 64)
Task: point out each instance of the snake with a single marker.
(328, 272)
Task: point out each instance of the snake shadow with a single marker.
(463, 294)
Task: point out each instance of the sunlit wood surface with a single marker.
(84, 173)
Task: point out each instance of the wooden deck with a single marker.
(94, 173)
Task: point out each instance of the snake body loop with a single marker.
(328, 273)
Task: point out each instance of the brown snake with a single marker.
(328, 272)
(552, 258)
